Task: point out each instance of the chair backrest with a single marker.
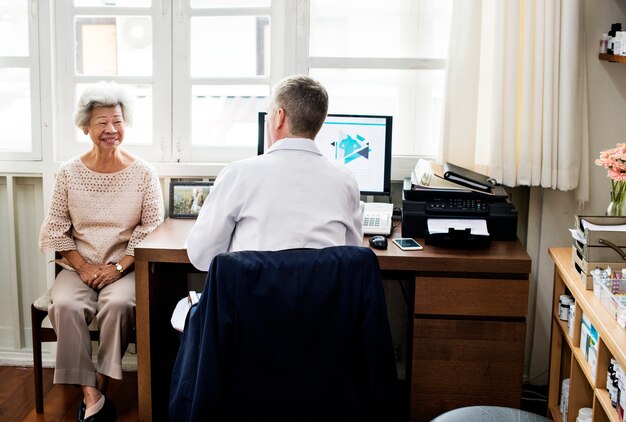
(298, 334)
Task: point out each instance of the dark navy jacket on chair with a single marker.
(295, 335)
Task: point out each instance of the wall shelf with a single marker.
(612, 58)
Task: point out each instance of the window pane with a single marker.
(228, 3)
(15, 118)
(373, 28)
(110, 45)
(13, 28)
(226, 115)
(140, 133)
(413, 97)
(118, 3)
(246, 52)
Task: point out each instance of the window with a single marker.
(201, 70)
(384, 59)
(19, 86)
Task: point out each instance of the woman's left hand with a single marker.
(105, 275)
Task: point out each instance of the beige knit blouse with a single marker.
(102, 215)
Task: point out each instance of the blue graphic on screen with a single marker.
(349, 149)
(357, 142)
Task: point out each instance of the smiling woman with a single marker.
(103, 204)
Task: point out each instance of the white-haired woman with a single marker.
(103, 204)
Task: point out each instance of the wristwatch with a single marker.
(118, 266)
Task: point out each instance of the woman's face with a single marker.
(106, 127)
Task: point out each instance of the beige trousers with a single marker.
(73, 307)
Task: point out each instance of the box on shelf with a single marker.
(600, 243)
(611, 292)
(589, 343)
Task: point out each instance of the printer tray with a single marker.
(462, 239)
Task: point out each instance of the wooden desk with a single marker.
(468, 326)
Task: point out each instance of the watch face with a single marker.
(119, 267)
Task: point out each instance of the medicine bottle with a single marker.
(604, 39)
(617, 43)
(614, 27)
(584, 414)
(564, 398)
(571, 318)
(610, 373)
(564, 301)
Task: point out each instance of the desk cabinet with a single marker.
(468, 342)
(567, 360)
(467, 321)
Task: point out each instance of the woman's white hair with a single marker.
(103, 94)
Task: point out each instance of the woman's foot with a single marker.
(102, 411)
(80, 416)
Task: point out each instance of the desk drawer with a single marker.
(459, 363)
(471, 297)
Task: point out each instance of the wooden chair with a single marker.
(41, 334)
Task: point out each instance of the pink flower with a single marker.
(614, 161)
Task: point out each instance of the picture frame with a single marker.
(187, 197)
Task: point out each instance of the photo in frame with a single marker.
(186, 198)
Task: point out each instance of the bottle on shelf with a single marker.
(614, 28)
(617, 43)
(564, 398)
(584, 414)
(604, 39)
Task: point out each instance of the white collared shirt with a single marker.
(290, 197)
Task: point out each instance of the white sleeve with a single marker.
(214, 227)
(354, 230)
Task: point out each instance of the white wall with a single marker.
(551, 212)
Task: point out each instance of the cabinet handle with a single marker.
(614, 247)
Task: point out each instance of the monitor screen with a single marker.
(361, 143)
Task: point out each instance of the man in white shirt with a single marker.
(290, 197)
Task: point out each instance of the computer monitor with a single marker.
(361, 143)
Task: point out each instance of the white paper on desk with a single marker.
(441, 225)
(179, 316)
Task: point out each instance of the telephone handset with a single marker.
(377, 218)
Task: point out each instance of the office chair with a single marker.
(489, 413)
(288, 335)
(41, 334)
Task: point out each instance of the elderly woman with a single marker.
(103, 204)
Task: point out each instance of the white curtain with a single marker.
(516, 93)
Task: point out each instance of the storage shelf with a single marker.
(584, 365)
(612, 58)
(567, 358)
(605, 401)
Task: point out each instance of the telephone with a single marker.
(377, 218)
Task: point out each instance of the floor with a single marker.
(17, 397)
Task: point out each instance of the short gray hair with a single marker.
(103, 94)
(305, 102)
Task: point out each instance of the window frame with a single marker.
(171, 81)
(32, 63)
(401, 165)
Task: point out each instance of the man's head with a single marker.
(297, 108)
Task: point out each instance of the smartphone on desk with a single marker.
(407, 244)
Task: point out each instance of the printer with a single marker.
(419, 204)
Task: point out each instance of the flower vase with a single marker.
(615, 208)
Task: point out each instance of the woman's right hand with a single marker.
(88, 273)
